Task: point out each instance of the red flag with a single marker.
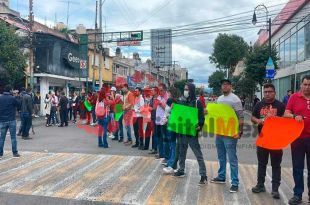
(120, 81)
(137, 77)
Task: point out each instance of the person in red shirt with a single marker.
(203, 101)
(298, 107)
(93, 100)
(103, 121)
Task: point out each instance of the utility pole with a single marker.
(102, 51)
(95, 45)
(31, 63)
(68, 9)
(174, 71)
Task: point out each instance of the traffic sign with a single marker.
(83, 64)
(270, 69)
(129, 43)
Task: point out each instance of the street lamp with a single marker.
(268, 22)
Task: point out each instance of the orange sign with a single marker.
(279, 132)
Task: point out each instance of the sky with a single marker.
(191, 52)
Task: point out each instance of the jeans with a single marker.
(276, 159)
(103, 123)
(127, 117)
(154, 137)
(53, 115)
(138, 129)
(161, 135)
(195, 146)
(300, 149)
(119, 132)
(177, 152)
(227, 146)
(21, 124)
(27, 123)
(172, 148)
(70, 113)
(93, 113)
(64, 117)
(4, 126)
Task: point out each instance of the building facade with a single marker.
(161, 47)
(291, 38)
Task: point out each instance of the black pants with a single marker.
(276, 159)
(64, 117)
(300, 150)
(138, 129)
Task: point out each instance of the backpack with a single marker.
(100, 109)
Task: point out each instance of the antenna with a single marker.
(68, 2)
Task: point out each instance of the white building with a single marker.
(291, 37)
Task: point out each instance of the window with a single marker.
(282, 55)
(294, 48)
(287, 56)
(307, 41)
(301, 44)
(115, 68)
(125, 71)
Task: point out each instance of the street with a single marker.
(65, 166)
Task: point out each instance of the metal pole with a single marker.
(95, 45)
(30, 42)
(100, 28)
(269, 24)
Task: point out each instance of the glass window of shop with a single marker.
(294, 48)
(301, 44)
(307, 40)
(281, 63)
(287, 55)
(284, 85)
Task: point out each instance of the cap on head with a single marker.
(113, 89)
(225, 81)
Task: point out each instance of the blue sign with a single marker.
(270, 70)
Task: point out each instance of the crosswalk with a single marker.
(128, 180)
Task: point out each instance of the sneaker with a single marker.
(203, 180)
(26, 138)
(135, 146)
(275, 194)
(258, 189)
(217, 180)
(179, 174)
(127, 143)
(16, 155)
(168, 170)
(295, 200)
(233, 189)
(153, 152)
(120, 140)
(164, 162)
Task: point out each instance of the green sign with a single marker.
(182, 123)
(118, 111)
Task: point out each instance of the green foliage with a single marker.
(12, 59)
(215, 81)
(256, 61)
(180, 85)
(228, 50)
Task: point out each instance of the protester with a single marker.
(226, 144)
(268, 107)
(172, 136)
(138, 119)
(93, 99)
(75, 106)
(153, 106)
(26, 113)
(255, 101)
(19, 99)
(160, 127)
(298, 108)
(8, 107)
(47, 108)
(70, 107)
(63, 104)
(147, 118)
(202, 100)
(37, 102)
(112, 124)
(287, 97)
(129, 100)
(189, 99)
(102, 110)
(118, 134)
(54, 105)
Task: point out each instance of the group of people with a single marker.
(148, 111)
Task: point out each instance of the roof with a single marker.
(286, 14)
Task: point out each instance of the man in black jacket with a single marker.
(26, 113)
(63, 104)
(8, 108)
(185, 140)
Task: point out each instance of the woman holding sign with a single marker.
(189, 100)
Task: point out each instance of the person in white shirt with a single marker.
(138, 119)
(227, 145)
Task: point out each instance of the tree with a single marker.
(255, 63)
(215, 81)
(228, 50)
(180, 85)
(12, 59)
